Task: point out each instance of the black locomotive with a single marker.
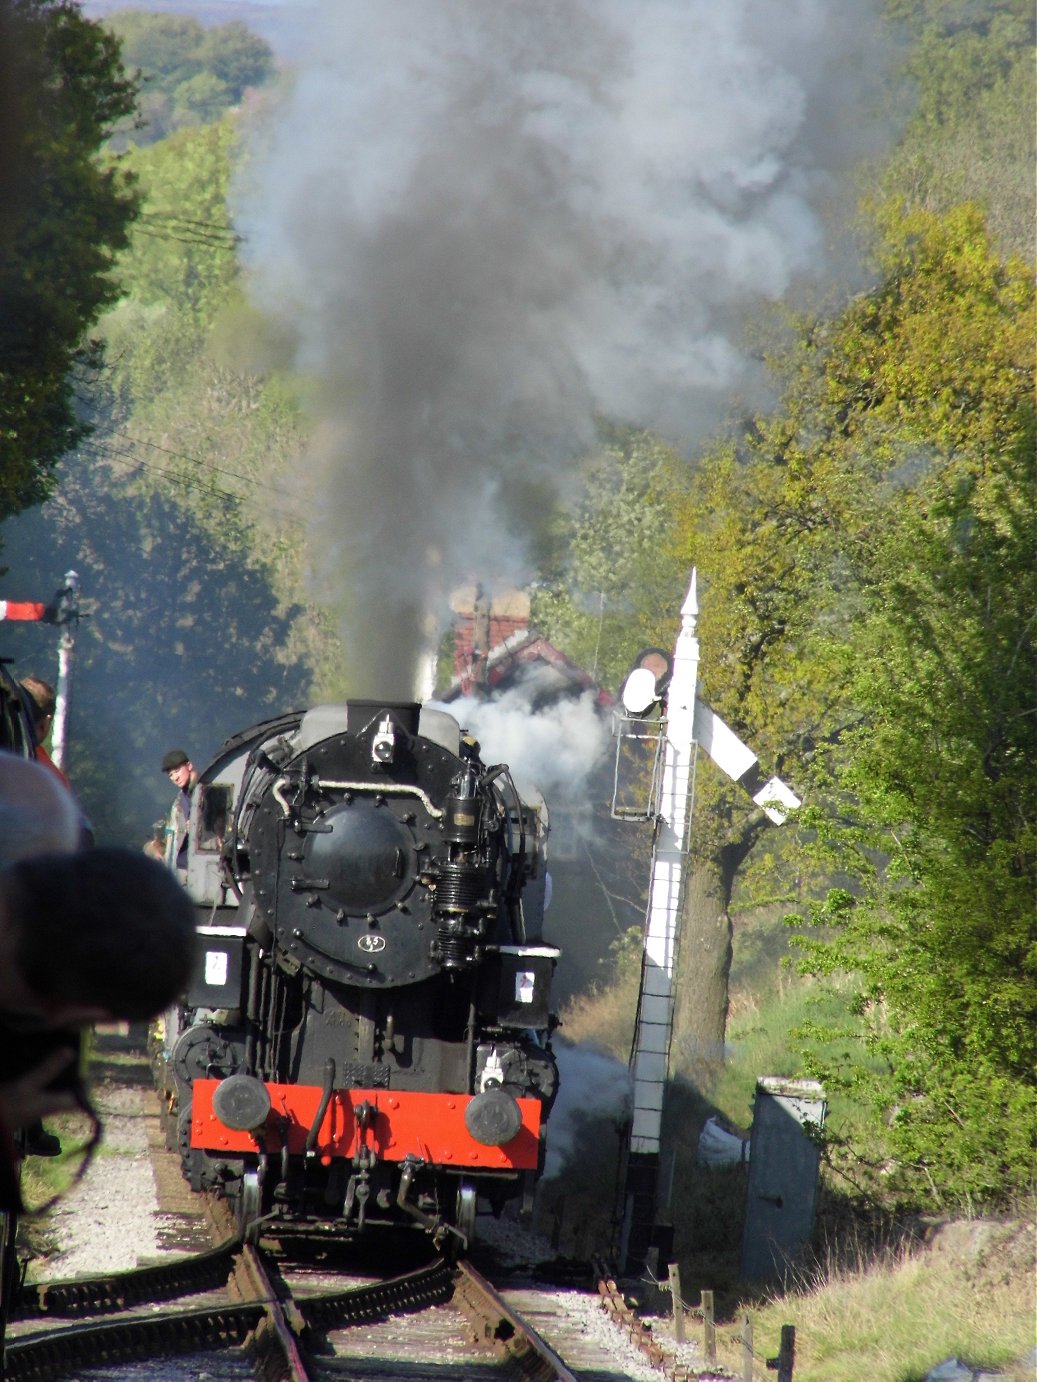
(366, 1041)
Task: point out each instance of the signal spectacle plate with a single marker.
(367, 856)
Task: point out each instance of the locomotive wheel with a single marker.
(465, 1210)
(250, 1207)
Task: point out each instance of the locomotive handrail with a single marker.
(322, 1107)
(384, 789)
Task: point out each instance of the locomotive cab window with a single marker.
(214, 811)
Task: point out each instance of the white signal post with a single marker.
(688, 722)
(655, 1015)
(650, 1058)
(63, 610)
(69, 613)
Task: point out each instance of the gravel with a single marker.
(110, 1221)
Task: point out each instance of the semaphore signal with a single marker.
(659, 682)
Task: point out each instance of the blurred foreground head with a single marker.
(37, 815)
(106, 933)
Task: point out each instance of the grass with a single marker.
(875, 1301)
(43, 1176)
(894, 1318)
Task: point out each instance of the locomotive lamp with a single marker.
(383, 745)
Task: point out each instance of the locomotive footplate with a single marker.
(398, 1124)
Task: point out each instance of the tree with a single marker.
(200, 100)
(64, 215)
(971, 133)
(940, 935)
(788, 526)
(188, 73)
(237, 56)
(938, 803)
(609, 562)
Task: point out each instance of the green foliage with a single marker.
(199, 408)
(187, 546)
(610, 565)
(64, 215)
(939, 826)
(941, 937)
(959, 50)
(177, 512)
(199, 100)
(971, 136)
(183, 253)
(189, 74)
(867, 589)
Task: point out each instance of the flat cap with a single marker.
(175, 758)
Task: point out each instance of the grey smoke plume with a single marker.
(490, 224)
(591, 1084)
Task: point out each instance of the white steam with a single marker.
(591, 1085)
(491, 224)
(552, 748)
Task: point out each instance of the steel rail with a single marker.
(275, 1345)
(55, 1352)
(429, 1285)
(258, 1321)
(103, 1294)
(510, 1335)
(269, 1326)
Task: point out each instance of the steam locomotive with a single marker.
(366, 1041)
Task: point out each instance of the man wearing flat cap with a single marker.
(180, 770)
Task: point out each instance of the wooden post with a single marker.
(709, 1333)
(786, 1353)
(677, 1302)
(747, 1348)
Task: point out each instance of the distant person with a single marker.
(180, 770)
(41, 702)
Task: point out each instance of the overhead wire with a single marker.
(161, 216)
(131, 459)
(229, 245)
(185, 456)
(187, 230)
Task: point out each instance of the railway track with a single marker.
(440, 1315)
(289, 1310)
